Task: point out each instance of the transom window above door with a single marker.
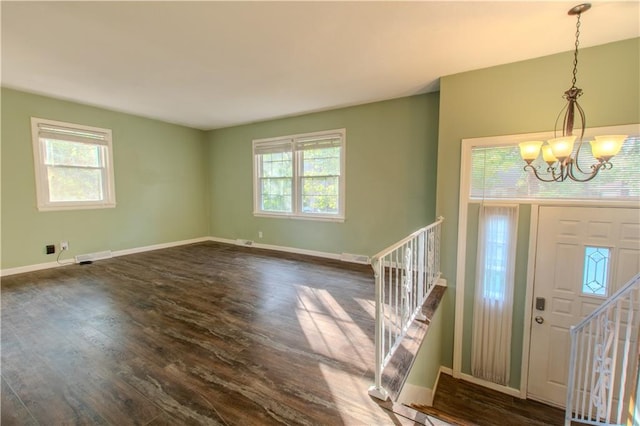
(497, 170)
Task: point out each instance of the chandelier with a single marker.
(558, 153)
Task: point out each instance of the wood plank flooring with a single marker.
(466, 404)
(206, 334)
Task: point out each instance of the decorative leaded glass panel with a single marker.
(596, 268)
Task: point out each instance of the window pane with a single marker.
(321, 162)
(320, 194)
(277, 164)
(596, 266)
(497, 172)
(497, 240)
(74, 184)
(276, 194)
(65, 153)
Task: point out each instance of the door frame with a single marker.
(531, 261)
(463, 202)
(528, 307)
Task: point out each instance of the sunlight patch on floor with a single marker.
(367, 305)
(330, 330)
(349, 393)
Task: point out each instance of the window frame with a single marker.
(43, 195)
(294, 142)
(467, 146)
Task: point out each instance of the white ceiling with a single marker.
(216, 64)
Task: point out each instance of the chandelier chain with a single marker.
(575, 53)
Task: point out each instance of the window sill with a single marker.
(62, 207)
(317, 218)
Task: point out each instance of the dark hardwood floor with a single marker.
(207, 334)
(466, 404)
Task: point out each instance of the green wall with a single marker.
(523, 97)
(426, 366)
(174, 183)
(160, 179)
(391, 153)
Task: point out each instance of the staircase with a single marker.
(406, 274)
(603, 366)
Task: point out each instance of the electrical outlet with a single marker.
(50, 249)
(259, 234)
(64, 245)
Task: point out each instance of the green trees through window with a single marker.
(73, 165)
(74, 170)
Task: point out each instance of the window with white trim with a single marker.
(497, 170)
(300, 176)
(493, 302)
(73, 165)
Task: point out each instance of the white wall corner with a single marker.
(414, 394)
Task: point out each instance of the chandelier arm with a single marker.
(561, 176)
(560, 114)
(595, 169)
(554, 177)
(583, 118)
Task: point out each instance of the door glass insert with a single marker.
(596, 267)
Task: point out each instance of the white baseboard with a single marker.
(31, 268)
(124, 252)
(325, 255)
(159, 246)
(414, 394)
(49, 265)
(442, 370)
(446, 370)
(500, 388)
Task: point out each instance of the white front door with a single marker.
(601, 243)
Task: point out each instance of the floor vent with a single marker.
(94, 256)
(244, 242)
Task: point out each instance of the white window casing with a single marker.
(300, 176)
(73, 166)
(493, 301)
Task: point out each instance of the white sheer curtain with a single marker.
(493, 304)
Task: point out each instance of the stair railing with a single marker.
(405, 274)
(604, 361)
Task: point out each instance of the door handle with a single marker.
(539, 319)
